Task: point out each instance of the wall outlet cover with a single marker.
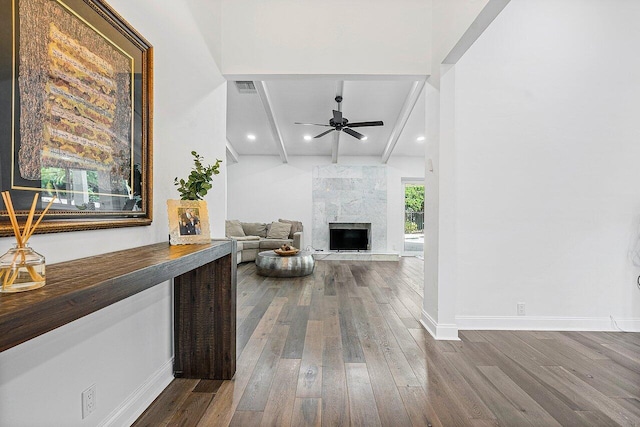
(88, 401)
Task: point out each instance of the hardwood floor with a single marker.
(344, 347)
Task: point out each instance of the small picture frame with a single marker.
(188, 222)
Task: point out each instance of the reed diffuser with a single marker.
(22, 268)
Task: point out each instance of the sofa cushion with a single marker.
(233, 228)
(278, 230)
(295, 226)
(255, 229)
(273, 243)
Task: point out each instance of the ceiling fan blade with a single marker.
(323, 133)
(362, 124)
(337, 117)
(353, 133)
(311, 124)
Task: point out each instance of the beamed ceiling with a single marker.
(270, 111)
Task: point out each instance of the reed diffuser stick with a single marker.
(12, 216)
(27, 224)
(46, 209)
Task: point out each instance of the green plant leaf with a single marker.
(198, 182)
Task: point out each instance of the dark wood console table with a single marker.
(204, 291)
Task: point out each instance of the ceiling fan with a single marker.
(339, 123)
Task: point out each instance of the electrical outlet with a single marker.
(88, 401)
(520, 307)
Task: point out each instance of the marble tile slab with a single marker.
(344, 193)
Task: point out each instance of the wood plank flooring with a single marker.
(344, 346)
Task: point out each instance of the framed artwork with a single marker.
(75, 115)
(188, 222)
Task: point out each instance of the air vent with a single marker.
(245, 86)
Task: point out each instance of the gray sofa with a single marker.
(254, 237)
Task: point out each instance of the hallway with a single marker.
(344, 347)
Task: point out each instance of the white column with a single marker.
(438, 311)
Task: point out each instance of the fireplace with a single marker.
(349, 236)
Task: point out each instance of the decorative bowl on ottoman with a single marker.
(286, 250)
(286, 253)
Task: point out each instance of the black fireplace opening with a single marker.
(348, 239)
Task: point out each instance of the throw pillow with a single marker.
(279, 230)
(255, 229)
(295, 226)
(233, 228)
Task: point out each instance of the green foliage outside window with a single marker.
(413, 208)
(414, 198)
(410, 227)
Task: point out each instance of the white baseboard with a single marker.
(136, 403)
(356, 256)
(439, 331)
(627, 325)
(547, 323)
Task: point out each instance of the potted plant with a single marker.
(189, 217)
(199, 181)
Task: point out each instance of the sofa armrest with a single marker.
(298, 240)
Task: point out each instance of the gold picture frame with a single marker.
(188, 222)
(75, 115)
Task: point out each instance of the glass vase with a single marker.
(21, 269)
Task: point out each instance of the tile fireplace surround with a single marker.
(351, 195)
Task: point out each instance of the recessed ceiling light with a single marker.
(308, 138)
(251, 137)
(420, 138)
(364, 138)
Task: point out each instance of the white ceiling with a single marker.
(312, 101)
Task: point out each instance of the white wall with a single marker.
(450, 19)
(208, 16)
(546, 139)
(328, 37)
(127, 346)
(263, 189)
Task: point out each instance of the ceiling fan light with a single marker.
(364, 138)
